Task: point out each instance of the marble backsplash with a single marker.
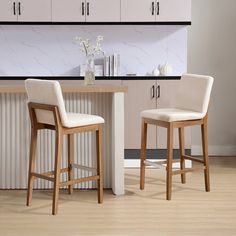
(48, 50)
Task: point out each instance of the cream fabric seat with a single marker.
(190, 108)
(49, 92)
(78, 119)
(171, 114)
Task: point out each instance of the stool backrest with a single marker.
(194, 93)
(46, 92)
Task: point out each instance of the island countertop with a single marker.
(69, 88)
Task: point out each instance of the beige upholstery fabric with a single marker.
(191, 102)
(171, 114)
(49, 92)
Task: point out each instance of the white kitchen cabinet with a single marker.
(173, 10)
(155, 10)
(34, 10)
(86, 11)
(95, 10)
(8, 11)
(68, 10)
(137, 11)
(25, 10)
(102, 10)
(140, 96)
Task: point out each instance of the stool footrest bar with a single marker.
(159, 164)
(51, 173)
(177, 172)
(192, 158)
(155, 164)
(83, 167)
(76, 181)
(42, 176)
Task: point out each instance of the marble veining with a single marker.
(48, 50)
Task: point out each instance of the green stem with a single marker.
(86, 51)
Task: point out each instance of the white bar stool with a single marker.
(190, 108)
(47, 111)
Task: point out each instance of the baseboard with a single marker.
(135, 163)
(215, 150)
(153, 153)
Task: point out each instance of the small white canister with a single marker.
(156, 72)
(165, 69)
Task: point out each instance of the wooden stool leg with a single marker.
(70, 161)
(143, 153)
(57, 170)
(169, 161)
(204, 130)
(31, 165)
(99, 164)
(182, 153)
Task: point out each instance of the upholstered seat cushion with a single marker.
(49, 92)
(78, 119)
(171, 114)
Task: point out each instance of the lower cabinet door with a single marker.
(140, 96)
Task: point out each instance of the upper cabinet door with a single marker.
(103, 10)
(8, 11)
(68, 10)
(34, 10)
(173, 10)
(137, 11)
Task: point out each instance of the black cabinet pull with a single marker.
(87, 8)
(82, 8)
(14, 8)
(158, 8)
(153, 92)
(153, 8)
(158, 91)
(19, 10)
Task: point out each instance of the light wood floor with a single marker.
(191, 212)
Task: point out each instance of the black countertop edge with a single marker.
(96, 23)
(97, 77)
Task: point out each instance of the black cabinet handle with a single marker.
(19, 10)
(87, 8)
(153, 8)
(152, 92)
(158, 92)
(82, 8)
(14, 8)
(158, 8)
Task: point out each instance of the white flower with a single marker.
(100, 38)
(86, 46)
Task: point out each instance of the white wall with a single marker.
(49, 50)
(212, 51)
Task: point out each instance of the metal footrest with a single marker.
(155, 164)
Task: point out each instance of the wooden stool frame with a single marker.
(169, 172)
(54, 176)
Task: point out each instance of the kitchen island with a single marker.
(103, 100)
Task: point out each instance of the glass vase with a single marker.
(89, 78)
